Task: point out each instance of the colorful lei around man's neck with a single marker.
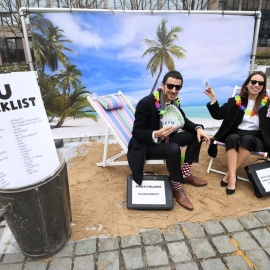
(156, 94)
(243, 108)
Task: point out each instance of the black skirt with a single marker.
(247, 139)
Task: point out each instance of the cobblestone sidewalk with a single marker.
(231, 243)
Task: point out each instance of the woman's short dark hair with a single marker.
(173, 74)
(244, 92)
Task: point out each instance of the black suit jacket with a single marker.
(232, 117)
(147, 120)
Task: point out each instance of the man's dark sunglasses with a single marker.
(171, 86)
(261, 83)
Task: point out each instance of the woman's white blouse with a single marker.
(250, 122)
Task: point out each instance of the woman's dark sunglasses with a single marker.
(171, 86)
(253, 82)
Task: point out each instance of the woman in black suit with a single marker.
(245, 127)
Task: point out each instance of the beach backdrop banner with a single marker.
(114, 51)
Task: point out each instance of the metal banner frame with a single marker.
(257, 14)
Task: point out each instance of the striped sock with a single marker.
(176, 185)
(186, 169)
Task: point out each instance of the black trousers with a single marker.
(172, 153)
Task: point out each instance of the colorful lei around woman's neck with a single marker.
(243, 108)
(156, 94)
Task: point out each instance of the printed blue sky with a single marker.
(109, 51)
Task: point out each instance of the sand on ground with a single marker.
(98, 196)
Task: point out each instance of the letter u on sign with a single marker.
(7, 94)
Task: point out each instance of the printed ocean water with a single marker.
(196, 112)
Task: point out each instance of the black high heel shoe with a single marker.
(231, 191)
(223, 184)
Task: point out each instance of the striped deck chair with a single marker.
(261, 154)
(118, 114)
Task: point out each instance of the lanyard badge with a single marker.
(268, 112)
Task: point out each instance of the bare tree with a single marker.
(244, 5)
(10, 10)
(81, 3)
(142, 4)
(192, 4)
(166, 4)
(134, 4)
(11, 18)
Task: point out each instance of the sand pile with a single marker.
(98, 196)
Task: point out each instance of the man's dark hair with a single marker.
(173, 74)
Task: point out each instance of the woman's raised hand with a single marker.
(210, 93)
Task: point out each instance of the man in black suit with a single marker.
(153, 141)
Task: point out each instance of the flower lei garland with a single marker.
(243, 108)
(158, 105)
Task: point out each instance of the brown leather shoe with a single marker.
(194, 181)
(182, 199)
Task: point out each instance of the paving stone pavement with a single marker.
(241, 243)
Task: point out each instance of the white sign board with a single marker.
(27, 149)
(264, 177)
(150, 192)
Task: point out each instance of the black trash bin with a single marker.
(39, 215)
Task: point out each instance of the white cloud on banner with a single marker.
(221, 45)
(110, 48)
(79, 31)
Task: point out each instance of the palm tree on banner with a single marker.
(72, 105)
(49, 91)
(162, 49)
(69, 78)
(48, 48)
(38, 23)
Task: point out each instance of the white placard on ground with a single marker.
(27, 149)
(264, 177)
(150, 192)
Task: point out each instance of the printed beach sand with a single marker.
(98, 195)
